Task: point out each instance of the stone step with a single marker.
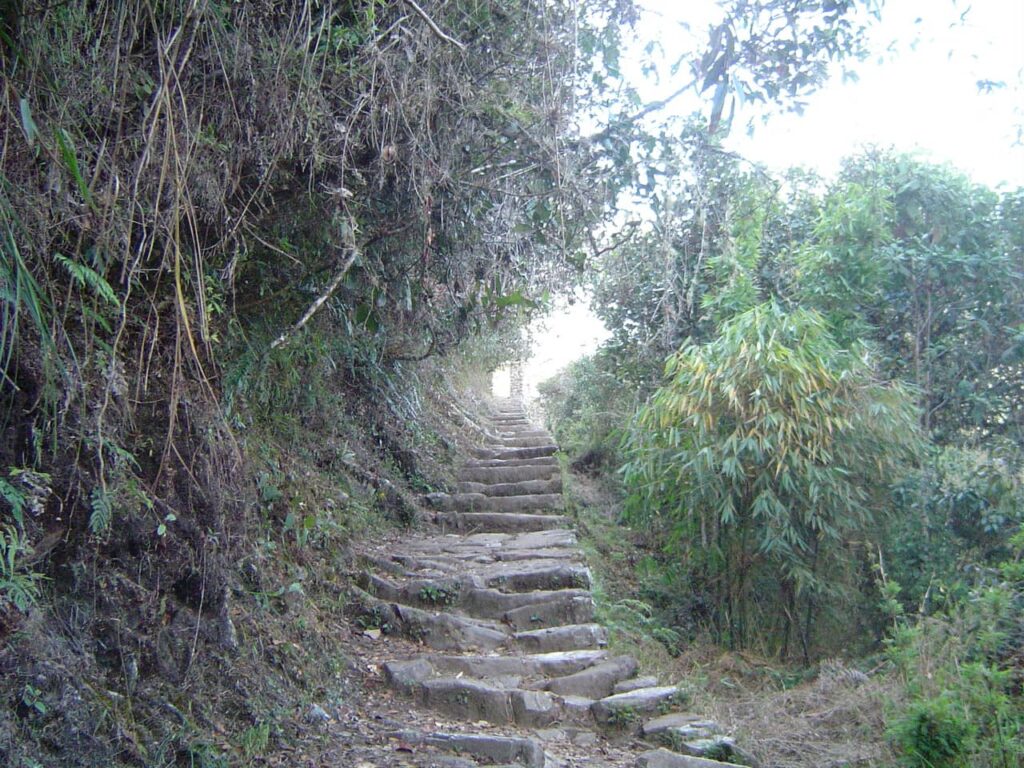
(512, 671)
(477, 502)
(509, 474)
(441, 631)
(682, 724)
(611, 710)
(450, 561)
(520, 610)
(579, 610)
(596, 681)
(534, 452)
(493, 749)
(572, 637)
(529, 575)
(528, 429)
(520, 442)
(491, 542)
(663, 758)
(474, 700)
(532, 461)
(515, 575)
(467, 699)
(454, 550)
(521, 488)
(633, 683)
(446, 562)
(451, 583)
(522, 431)
(498, 522)
(694, 736)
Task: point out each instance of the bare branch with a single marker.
(335, 282)
(436, 29)
(654, 106)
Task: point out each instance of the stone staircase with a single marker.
(498, 602)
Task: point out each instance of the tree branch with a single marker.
(335, 282)
(654, 106)
(436, 29)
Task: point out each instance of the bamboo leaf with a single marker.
(68, 154)
(28, 125)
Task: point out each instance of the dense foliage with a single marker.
(833, 455)
(766, 453)
(234, 236)
(220, 217)
(242, 246)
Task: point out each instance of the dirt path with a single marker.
(485, 637)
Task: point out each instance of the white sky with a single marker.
(917, 92)
(924, 97)
(568, 333)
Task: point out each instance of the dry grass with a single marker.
(834, 721)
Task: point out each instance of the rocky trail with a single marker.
(483, 635)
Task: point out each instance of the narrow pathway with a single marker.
(499, 605)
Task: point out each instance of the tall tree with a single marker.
(928, 265)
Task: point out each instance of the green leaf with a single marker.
(67, 152)
(16, 499)
(86, 277)
(102, 510)
(28, 125)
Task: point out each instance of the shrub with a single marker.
(933, 734)
(760, 456)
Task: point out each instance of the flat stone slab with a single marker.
(662, 758)
(639, 702)
(572, 637)
(518, 488)
(499, 522)
(625, 686)
(677, 721)
(495, 749)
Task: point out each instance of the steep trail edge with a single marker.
(484, 623)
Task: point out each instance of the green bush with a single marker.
(954, 519)
(762, 454)
(585, 406)
(961, 671)
(933, 734)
